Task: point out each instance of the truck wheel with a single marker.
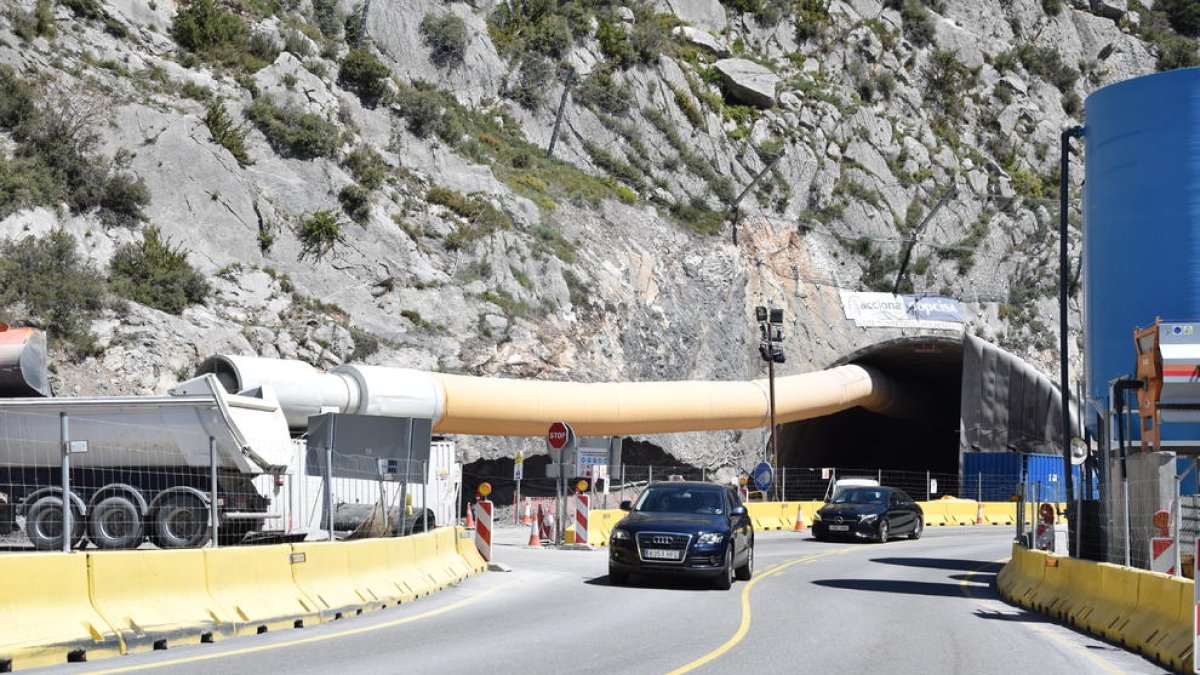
(231, 535)
(44, 524)
(181, 522)
(115, 523)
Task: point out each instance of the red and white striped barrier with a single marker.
(483, 528)
(581, 519)
(1162, 555)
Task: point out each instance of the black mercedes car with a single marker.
(878, 513)
(683, 527)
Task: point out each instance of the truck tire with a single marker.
(180, 522)
(115, 523)
(232, 534)
(44, 525)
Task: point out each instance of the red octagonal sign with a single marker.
(558, 435)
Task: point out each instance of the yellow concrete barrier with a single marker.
(425, 551)
(601, 523)
(1161, 625)
(322, 572)
(448, 559)
(372, 573)
(1000, 513)
(46, 617)
(767, 515)
(1116, 604)
(960, 512)
(469, 552)
(1143, 610)
(935, 513)
(255, 583)
(156, 599)
(407, 573)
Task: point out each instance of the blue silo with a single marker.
(1141, 210)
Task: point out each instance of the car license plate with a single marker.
(839, 528)
(661, 554)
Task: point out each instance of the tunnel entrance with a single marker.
(930, 367)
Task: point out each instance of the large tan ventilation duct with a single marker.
(508, 407)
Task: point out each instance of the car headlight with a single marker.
(709, 538)
(868, 517)
(816, 516)
(621, 534)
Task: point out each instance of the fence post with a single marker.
(1128, 534)
(67, 525)
(329, 490)
(1179, 526)
(783, 484)
(650, 475)
(979, 487)
(212, 500)
(926, 484)
(424, 503)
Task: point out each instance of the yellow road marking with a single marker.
(302, 641)
(1044, 632)
(744, 627)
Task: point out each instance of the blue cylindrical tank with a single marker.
(1141, 214)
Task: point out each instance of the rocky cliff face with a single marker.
(409, 216)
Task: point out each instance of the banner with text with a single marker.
(902, 311)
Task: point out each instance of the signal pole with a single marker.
(770, 328)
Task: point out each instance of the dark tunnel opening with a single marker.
(929, 367)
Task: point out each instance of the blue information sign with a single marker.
(763, 476)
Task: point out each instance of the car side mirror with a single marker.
(626, 505)
(737, 511)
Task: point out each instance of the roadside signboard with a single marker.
(763, 476)
(1162, 555)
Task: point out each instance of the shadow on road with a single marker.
(665, 582)
(909, 587)
(982, 566)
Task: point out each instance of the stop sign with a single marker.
(558, 435)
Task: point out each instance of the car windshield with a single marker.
(861, 496)
(681, 499)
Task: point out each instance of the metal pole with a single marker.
(64, 437)
(1128, 543)
(774, 446)
(979, 487)
(562, 106)
(329, 491)
(926, 484)
(424, 487)
(1063, 324)
(213, 503)
(1178, 525)
(383, 503)
(783, 485)
(622, 495)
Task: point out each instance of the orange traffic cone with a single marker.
(799, 519)
(979, 513)
(535, 539)
(525, 519)
(470, 516)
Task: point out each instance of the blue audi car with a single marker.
(682, 527)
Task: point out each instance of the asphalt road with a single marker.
(923, 606)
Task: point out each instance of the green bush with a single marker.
(917, 22)
(1183, 15)
(615, 44)
(425, 108)
(295, 43)
(293, 132)
(946, 79)
(812, 18)
(600, 92)
(1175, 52)
(447, 38)
(697, 217)
(353, 25)
(156, 274)
(613, 166)
(207, 29)
(356, 202)
(532, 82)
(1048, 64)
(1052, 7)
(225, 133)
(367, 167)
(319, 232)
(475, 209)
(362, 73)
(52, 283)
(690, 110)
(328, 18)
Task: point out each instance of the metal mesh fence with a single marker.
(180, 472)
